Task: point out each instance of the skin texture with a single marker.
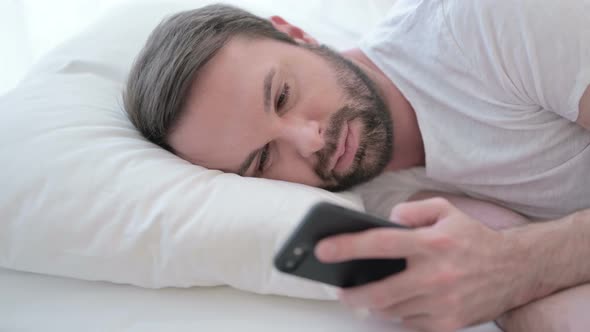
(460, 271)
(317, 97)
(442, 288)
(562, 311)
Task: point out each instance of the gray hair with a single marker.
(160, 79)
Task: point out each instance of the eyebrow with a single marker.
(266, 90)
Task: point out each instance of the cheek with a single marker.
(319, 97)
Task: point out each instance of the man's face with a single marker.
(264, 108)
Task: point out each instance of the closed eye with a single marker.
(283, 97)
(263, 159)
(282, 100)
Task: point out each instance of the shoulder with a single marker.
(490, 9)
(412, 14)
(511, 17)
(484, 17)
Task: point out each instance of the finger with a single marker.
(385, 293)
(419, 323)
(421, 213)
(429, 323)
(413, 307)
(375, 243)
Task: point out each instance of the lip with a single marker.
(341, 146)
(351, 144)
(347, 147)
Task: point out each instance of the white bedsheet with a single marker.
(31, 302)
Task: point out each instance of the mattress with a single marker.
(32, 302)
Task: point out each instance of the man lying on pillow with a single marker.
(489, 96)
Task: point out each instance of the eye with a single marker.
(283, 97)
(263, 158)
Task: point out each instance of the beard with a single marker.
(364, 104)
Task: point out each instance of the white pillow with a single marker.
(83, 195)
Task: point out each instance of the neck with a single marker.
(408, 147)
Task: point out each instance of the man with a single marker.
(490, 96)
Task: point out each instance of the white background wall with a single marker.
(30, 28)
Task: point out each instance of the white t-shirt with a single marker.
(496, 86)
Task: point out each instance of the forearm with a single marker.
(542, 259)
(562, 311)
(553, 255)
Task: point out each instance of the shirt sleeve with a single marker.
(538, 51)
(391, 188)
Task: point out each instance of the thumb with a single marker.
(421, 213)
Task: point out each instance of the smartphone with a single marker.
(297, 256)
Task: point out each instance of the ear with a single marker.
(294, 32)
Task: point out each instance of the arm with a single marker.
(561, 311)
(565, 310)
(556, 253)
(459, 271)
(553, 249)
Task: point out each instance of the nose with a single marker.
(304, 135)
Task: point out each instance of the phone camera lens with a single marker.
(290, 265)
(298, 251)
(295, 258)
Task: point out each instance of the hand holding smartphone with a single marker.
(297, 256)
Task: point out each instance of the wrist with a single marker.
(521, 269)
(547, 256)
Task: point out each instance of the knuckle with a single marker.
(438, 241)
(379, 300)
(444, 278)
(441, 202)
(381, 240)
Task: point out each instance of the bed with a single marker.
(86, 245)
(33, 302)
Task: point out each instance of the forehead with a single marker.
(225, 100)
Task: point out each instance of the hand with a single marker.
(459, 272)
